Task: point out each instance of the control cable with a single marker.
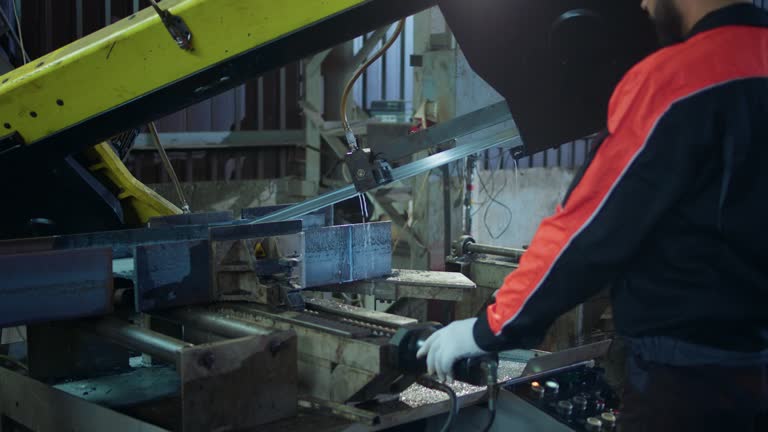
(492, 374)
(20, 34)
(168, 167)
(15, 32)
(433, 384)
(350, 136)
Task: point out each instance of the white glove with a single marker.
(447, 345)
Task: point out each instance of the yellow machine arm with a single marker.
(140, 203)
(146, 66)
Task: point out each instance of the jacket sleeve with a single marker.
(646, 164)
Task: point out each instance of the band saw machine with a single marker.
(141, 316)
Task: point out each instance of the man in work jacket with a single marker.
(672, 211)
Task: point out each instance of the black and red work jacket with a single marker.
(672, 209)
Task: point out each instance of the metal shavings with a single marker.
(417, 396)
(234, 314)
(509, 370)
(337, 305)
(377, 329)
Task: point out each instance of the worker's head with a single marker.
(675, 18)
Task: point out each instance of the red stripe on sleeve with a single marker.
(640, 100)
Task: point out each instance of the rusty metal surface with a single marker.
(172, 274)
(284, 319)
(358, 314)
(338, 359)
(239, 384)
(430, 285)
(359, 416)
(78, 354)
(45, 409)
(55, 285)
(257, 269)
(348, 253)
(141, 385)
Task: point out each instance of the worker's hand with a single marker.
(447, 345)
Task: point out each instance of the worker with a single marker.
(669, 211)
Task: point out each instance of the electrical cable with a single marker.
(492, 376)
(168, 167)
(433, 384)
(493, 198)
(492, 181)
(491, 410)
(24, 54)
(351, 140)
(15, 31)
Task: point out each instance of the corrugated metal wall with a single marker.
(392, 77)
(569, 155)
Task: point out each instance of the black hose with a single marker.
(491, 369)
(454, 411)
(491, 409)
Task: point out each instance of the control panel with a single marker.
(579, 398)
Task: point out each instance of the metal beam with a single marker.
(239, 384)
(441, 133)
(123, 242)
(55, 285)
(495, 250)
(171, 275)
(347, 253)
(217, 323)
(222, 140)
(318, 219)
(507, 137)
(142, 340)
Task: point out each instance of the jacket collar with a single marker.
(735, 15)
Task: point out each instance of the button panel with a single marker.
(579, 398)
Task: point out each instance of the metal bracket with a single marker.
(176, 27)
(368, 171)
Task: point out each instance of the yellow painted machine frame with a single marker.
(140, 203)
(135, 57)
